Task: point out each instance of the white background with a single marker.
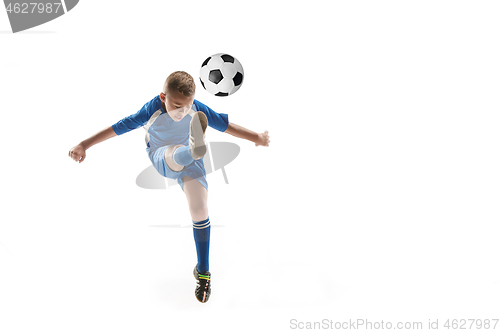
(377, 198)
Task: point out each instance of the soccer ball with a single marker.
(221, 74)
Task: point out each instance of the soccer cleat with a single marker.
(203, 289)
(197, 144)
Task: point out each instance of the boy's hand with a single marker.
(263, 139)
(77, 153)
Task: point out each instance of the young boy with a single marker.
(175, 125)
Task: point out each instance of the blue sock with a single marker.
(201, 232)
(182, 156)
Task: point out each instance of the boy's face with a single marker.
(176, 104)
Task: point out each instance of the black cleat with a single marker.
(203, 289)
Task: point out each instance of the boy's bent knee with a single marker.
(168, 158)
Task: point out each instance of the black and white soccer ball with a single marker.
(221, 74)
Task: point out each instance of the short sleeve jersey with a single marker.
(161, 129)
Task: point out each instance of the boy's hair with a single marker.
(181, 82)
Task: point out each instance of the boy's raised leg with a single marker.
(179, 156)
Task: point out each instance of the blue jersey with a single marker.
(161, 130)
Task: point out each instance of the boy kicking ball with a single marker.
(175, 125)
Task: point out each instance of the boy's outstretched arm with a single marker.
(78, 152)
(260, 139)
